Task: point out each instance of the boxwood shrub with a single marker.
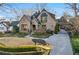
(18, 49)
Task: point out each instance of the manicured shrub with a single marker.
(49, 31)
(57, 28)
(18, 49)
(18, 34)
(21, 34)
(2, 34)
(74, 35)
(41, 34)
(15, 29)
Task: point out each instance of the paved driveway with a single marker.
(60, 44)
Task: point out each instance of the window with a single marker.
(24, 27)
(44, 26)
(43, 17)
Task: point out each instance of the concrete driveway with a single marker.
(60, 43)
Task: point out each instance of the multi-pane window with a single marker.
(43, 17)
(44, 26)
(24, 27)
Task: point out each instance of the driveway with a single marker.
(60, 43)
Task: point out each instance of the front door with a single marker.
(34, 27)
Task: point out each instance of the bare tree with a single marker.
(40, 6)
(74, 7)
(5, 7)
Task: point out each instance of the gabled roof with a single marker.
(7, 22)
(52, 15)
(14, 23)
(27, 17)
(4, 24)
(36, 14)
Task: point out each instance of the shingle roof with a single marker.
(14, 23)
(36, 14)
(7, 22)
(52, 15)
(27, 17)
(4, 24)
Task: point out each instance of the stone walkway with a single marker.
(60, 44)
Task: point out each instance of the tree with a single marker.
(65, 15)
(40, 6)
(75, 22)
(74, 7)
(57, 28)
(5, 7)
(15, 29)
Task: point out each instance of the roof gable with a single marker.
(37, 14)
(14, 23)
(52, 15)
(26, 17)
(1, 23)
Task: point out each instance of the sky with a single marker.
(56, 8)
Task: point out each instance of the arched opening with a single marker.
(44, 17)
(34, 27)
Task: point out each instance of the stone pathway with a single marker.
(60, 44)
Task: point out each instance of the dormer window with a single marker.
(43, 17)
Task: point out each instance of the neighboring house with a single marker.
(24, 24)
(8, 25)
(3, 27)
(43, 21)
(13, 24)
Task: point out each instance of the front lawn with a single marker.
(74, 41)
(25, 50)
(75, 45)
(21, 46)
(18, 49)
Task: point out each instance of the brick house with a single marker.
(39, 21)
(42, 21)
(24, 24)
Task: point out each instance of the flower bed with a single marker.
(27, 50)
(21, 46)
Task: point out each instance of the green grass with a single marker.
(24, 50)
(18, 49)
(75, 45)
